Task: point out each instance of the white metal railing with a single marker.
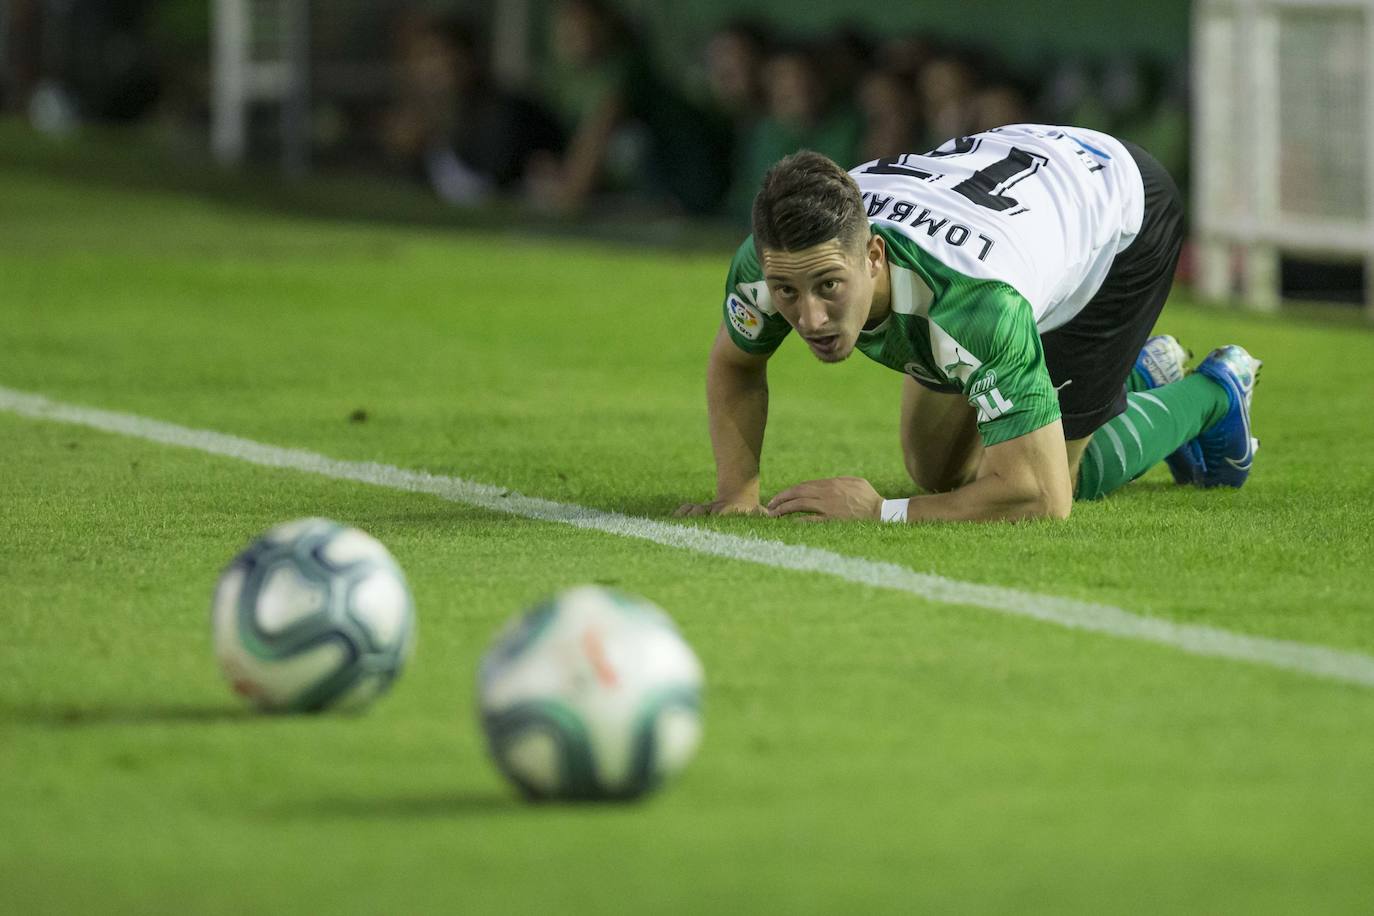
(1283, 140)
(260, 53)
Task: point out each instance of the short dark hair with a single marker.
(806, 200)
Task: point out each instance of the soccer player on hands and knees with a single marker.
(1013, 277)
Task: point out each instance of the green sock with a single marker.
(1137, 381)
(1155, 423)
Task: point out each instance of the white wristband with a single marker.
(894, 510)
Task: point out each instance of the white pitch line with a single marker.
(1320, 661)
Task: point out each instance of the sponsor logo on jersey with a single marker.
(744, 318)
(917, 371)
(757, 295)
(961, 367)
(991, 405)
(989, 380)
(956, 362)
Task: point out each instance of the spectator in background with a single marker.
(946, 84)
(113, 65)
(798, 116)
(79, 61)
(607, 92)
(891, 115)
(1070, 96)
(629, 130)
(451, 123)
(1145, 106)
(734, 71)
(734, 59)
(1166, 126)
(905, 53)
(844, 56)
(19, 56)
(1132, 97)
(997, 104)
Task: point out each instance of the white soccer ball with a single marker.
(592, 694)
(313, 614)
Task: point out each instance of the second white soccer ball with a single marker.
(592, 694)
(312, 615)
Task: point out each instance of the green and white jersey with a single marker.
(992, 240)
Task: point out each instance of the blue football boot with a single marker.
(1161, 361)
(1228, 449)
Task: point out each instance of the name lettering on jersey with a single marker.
(744, 318)
(991, 405)
(929, 223)
(936, 227)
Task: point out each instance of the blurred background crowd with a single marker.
(603, 119)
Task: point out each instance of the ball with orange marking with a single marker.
(591, 694)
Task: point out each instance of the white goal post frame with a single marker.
(1238, 214)
(241, 77)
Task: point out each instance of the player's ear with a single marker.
(876, 253)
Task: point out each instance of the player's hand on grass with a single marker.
(721, 507)
(829, 499)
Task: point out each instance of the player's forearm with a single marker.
(737, 403)
(990, 498)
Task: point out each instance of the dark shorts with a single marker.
(1091, 357)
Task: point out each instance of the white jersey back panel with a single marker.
(1043, 209)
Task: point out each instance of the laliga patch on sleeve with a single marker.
(744, 318)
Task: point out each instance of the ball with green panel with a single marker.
(312, 615)
(591, 695)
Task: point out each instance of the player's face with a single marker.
(825, 292)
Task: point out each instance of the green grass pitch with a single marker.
(865, 750)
